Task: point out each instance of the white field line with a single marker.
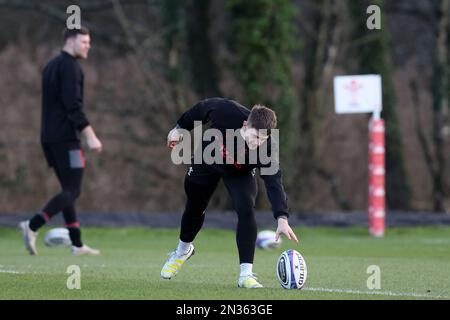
(348, 291)
(11, 271)
(380, 293)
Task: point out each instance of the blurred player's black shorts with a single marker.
(64, 155)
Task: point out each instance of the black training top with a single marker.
(62, 100)
(222, 114)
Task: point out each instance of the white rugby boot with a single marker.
(249, 282)
(174, 263)
(84, 250)
(29, 237)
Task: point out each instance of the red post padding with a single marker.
(376, 198)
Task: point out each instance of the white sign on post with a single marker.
(358, 94)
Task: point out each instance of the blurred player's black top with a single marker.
(62, 100)
(222, 114)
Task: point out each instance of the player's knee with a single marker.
(196, 208)
(66, 197)
(194, 212)
(76, 194)
(245, 208)
(246, 214)
(70, 195)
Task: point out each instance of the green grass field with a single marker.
(414, 264)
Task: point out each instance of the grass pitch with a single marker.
(414, 264)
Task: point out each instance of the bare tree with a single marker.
(320, 65)
(441, 116)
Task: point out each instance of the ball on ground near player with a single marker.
(57, 237)
(291, 270)
(266, 240)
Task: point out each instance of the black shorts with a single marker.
(202, 174)
(64, 155)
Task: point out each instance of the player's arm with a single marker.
(199, 112)
(73, 104)
(71, 95)
(278, 200)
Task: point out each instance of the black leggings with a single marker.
(67, 160)
(242, 189)
(70, 180)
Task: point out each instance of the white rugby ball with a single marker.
(291, 270)
(266, 240)
(57, 237)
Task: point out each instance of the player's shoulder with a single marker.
(214, 100)
(65, 61)
(61, 63)
(242, 110)
(62, 57)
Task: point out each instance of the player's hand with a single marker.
(284, 228)
(173, 138)
(94, 144)
(91, 139)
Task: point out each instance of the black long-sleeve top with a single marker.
(222, 114)
(63, 117)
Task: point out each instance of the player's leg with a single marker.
(30, 227)
(70, 217)
(199, 186)
(243, 191)
(70, 182)
(198, 197)
(69, 170)
(73, 226)
(68, 162)
(71, 178)
(69, 213)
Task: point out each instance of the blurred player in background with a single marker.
(63, 123)
(239, 178)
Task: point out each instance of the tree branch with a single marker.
(100, 5)
(59, 15)
(425, 16)
(340, 200)
(419, 131)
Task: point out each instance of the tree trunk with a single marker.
(320, 63)
(200, 49)
(441, 121)
(373, 54)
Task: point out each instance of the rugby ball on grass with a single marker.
(57, 237)
(266, 240)
(291, 270)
